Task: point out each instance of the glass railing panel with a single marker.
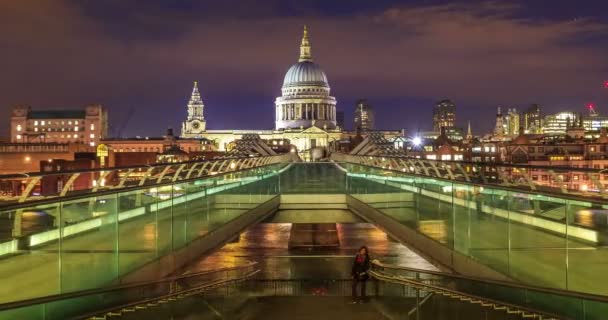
(313, 178)
(31, 257)
(538, 237)
(181, 204)
(89, 242)
(197, 210)
(464, 217)
(138, 233)
(587, 235)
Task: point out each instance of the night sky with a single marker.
(401, 55)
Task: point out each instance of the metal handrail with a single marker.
(528, 186)
(487, 164)
(145, 166)
(569, 293)
(99, 193)
(82, 293)
(458, 294)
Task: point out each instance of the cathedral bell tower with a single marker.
(195, 124)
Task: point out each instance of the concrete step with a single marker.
(315, 216)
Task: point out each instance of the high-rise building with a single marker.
(511, 122)
(340, 119)
(594, 121)
(559, 123)
(531, 119)
(364, 116)
(195, 123)
(444, 115)
(86, 126)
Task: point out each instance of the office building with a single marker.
(364, 116)
(444, 115)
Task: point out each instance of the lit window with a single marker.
(92, 144)
(18, 137)
(69, 122)
(75, 136)
(92, 126)
(36, 129)
(76, 122)
(27, 158)
(42, 122)
(36, 122)
(75, 128)
(92, 135)
(19, 127)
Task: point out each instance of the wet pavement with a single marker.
(267, 244)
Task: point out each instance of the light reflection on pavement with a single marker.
(267, 243)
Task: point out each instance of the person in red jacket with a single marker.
(359, 273)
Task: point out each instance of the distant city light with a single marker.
(606, 84)
(416, 141)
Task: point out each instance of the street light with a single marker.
(416, 141)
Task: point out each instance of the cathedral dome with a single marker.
(305, 73)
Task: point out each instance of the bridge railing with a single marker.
(571, 181)
(116, 300)
(560, 304)
(24, 187)
(81, 241)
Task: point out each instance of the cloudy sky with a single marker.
(401, 55)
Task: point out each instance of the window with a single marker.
(36, 122)
(42, 122)
(530, 149)
(92, 126)
(76, 122)
(92, 135)
(75, 128)
(19, 127)
(36, 129)
(18, 137)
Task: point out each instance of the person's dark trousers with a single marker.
(355, 283)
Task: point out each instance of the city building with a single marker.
(27, 157)
(86, 126)
(531, 119)
(340, 119)
(305, 113)
(557, 124)
(364, 116)
(539, 151)
(444, 115)
(594, 121)
(511, 122)
(305, 101)
(195, 123)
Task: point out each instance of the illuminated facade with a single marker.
(86, 126)
(305, 113)
(444, 115)
(305, 101)
(195, 124)
(364, 116)
(531, 119)
(558, 123)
